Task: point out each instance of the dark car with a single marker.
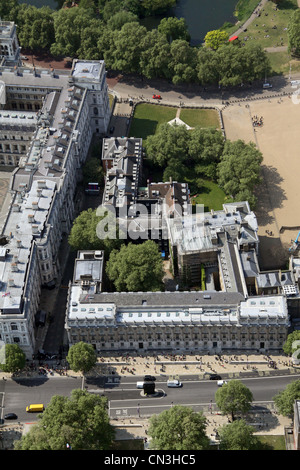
(149, 378)
(111, 130)
(10, 416)
(215, 377)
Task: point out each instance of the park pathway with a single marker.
(251, 18)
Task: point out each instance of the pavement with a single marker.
(230, 366)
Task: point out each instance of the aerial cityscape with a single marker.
(150, 237)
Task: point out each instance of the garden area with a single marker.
(204, 118)
(213, 169)
(147, 117)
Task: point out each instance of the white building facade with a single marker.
(43, 188)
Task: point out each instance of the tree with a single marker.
(120, 18)
(290, 346)
(234, 397)
(80, 422)
(154, 58)
(178, 428)
(89, 38)
(12, 358)
(174, 28)
(68, 27)
(136, 267)
(207, 66)
(170, 142)
(284, 401)
(216, 38)
(183, 62)
(127, 47)
(239, 169)
(35, 27)
(93, 171)
(205, 145)
(238, 436)
(9, 10)
(85, 234)
(81, 357)
(176, 170)
(151, 7)
(293, 32)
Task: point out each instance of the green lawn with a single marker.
(281, 61)
(200, 117)
(211, 196)
(269, 30)
(273, 442)
(147, 117)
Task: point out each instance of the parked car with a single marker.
(215, 377)
(156, 97)
(11, 416)
(111, 130)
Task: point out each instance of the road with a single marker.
(125, 400)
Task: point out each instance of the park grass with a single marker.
(261, 31)
(211, 196)
(147, 117)
(200, 117)
(272, 442)
(282, 63)
(244, 9)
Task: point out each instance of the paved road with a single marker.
(124, 398)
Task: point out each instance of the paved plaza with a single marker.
(278, 140)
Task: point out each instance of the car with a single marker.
(174, 384)
(111, 130)
(11, 416)
(215, 377)
(149, 378)
(156, 97)
(220, 383)
(23, 57)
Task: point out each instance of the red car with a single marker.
(156, 97)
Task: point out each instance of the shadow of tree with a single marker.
(270, 195)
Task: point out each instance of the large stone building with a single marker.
(46, 126)
(229, 314)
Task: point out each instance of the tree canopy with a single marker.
(12, 358)
(284, 401)
(293, 33)
(290, 344)
(80, 422)
(234, 397)
(136, 267)
(214, 39)
(239, 170)
(86, 235)
(178, 428)
(81, 357)
(238, 436)
(112, 30)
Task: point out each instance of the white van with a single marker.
(267, 85)
(221, 383)
(174, 383)
(140, 385)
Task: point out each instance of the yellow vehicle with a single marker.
(35, 408)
